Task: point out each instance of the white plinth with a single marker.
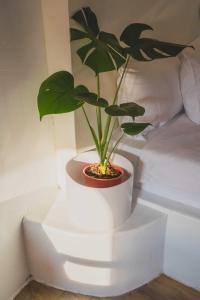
(99, 264)
(97, 209)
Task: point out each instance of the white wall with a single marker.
(14, 270)
(174, 21)
(27, 146)
(58, 51)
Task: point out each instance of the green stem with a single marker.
(114, 147)
(99, 118)
(108, 121)
(121, 79)
(91, 130)
(98, 110)
(105, 150)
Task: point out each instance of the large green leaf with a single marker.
(125, 109)
(144, 49)
(134, 128)
(103, 52)
(58, 95)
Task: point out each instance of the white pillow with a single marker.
(154, 85)
(190, 81)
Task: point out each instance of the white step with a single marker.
(98, 264)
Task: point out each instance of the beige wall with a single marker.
(172, 20)
(58, 52)
(27, 146)
(27, 151)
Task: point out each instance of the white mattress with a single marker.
(169, 163)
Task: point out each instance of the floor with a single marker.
(162, 288)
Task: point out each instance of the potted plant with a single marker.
(102, 52)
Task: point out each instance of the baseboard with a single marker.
(21, 287)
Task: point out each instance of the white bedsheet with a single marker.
(169, 162)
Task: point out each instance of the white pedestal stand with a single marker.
(66, 252)
(97, 209)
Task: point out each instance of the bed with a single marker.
(169, 161)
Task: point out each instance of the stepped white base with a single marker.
(99, 264)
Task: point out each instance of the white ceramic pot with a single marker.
(97, 209)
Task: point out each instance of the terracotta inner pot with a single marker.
(103, 182)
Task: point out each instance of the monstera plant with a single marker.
(102, 52)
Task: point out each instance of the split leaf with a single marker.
(103, 52)
(145, 49)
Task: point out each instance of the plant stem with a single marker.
(99, 119)
(120, 82)
(91, 130)
(108, 121)
(114, 147)
(98, 111)
(105, 150)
